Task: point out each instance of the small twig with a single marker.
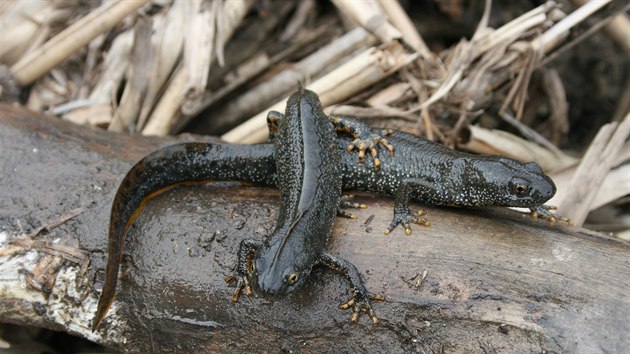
(420, 280)
(62, 219)
(528, 132)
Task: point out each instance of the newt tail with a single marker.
(165, 168)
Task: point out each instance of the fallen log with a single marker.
(479, 280)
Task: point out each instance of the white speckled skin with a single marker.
(437, 175)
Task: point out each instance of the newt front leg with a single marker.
(360, 300)
(244, 268)
(543, 212)
(402, 215)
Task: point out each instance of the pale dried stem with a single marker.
(138, 79)
(168, 39)
(360, 72)
(366, 113)
(22, 25)
(392, 93)
(399, 19)
(512, 29)
(618, 29)
(199, 42)
(38, 62)
(556, 34)
(287, 80)
(304, 9)
(370, 16)
(497, 142)
(114, 69)
(167, 113)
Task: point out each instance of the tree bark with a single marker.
(476, 280)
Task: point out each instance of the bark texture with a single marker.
(496, 280)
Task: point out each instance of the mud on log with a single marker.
(476, 280)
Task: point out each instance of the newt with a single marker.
(310, 165)
(432, 174)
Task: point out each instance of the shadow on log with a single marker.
(495, 280)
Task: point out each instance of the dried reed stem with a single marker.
(38, 62)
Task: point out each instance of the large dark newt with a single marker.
(310, 165)
(420, 170)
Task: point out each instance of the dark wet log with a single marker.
(495, 279)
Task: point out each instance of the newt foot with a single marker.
(346, 203)
(543, 212)
(242, 282)
(367, 143)
(405, 219)
(361, 302)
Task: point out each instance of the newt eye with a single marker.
(520, 187)
(293, 278)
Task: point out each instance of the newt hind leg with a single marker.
(365, 141)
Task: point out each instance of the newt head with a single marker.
(506, 182)
(524, 184)
(280, 278)
(279, 269)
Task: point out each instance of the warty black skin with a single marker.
(308, 165)
(433, 174)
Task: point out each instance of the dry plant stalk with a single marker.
(360, 72)
(167, 112)
(369, 15)
(138, 79)
(287, 80)
(592, 171)
(399, 18)
(615, 186)
(390, 94)
(24, 25)
(617, 29)
(168, 39)
(39, 61)
(114, 69)
(554, 36)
